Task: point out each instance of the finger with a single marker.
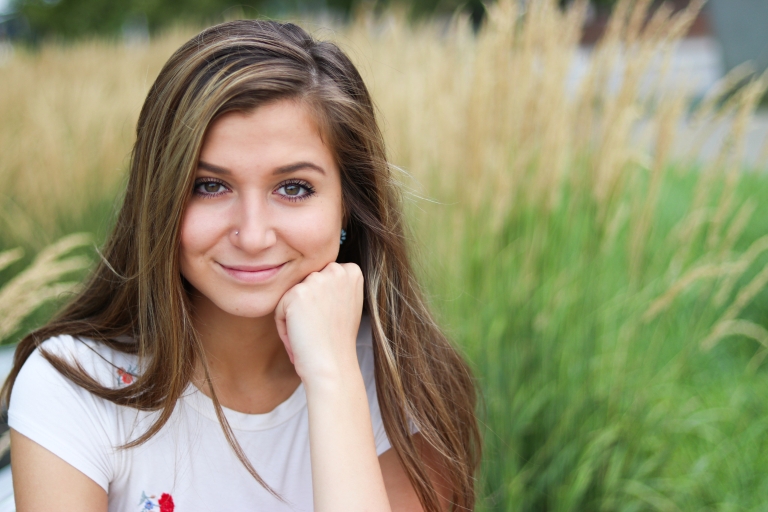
(352, 269)
(282, 328)
(281, 320)
(280, 310)
(333, 269)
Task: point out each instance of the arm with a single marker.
(346, 474)
(318, 320)
(348, 447)
(44, 482)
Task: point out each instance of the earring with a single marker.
(237, 233)
(343, 236)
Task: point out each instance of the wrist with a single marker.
(333, 377)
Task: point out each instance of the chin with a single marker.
(244, 305)
(247, 307)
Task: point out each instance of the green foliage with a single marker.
(68, 19)
(588, 404)
(77, 18)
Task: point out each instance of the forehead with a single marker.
(269, 136)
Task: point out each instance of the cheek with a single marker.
(198, 232)
(316, 235)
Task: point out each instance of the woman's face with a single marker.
(265, 211)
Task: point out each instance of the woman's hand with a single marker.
(318, 320)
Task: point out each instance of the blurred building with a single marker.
(741, 27)
(737, 27)
(599, 15)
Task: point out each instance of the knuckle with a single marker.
(313, 278)
(354, 270)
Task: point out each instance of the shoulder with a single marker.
(109, 367)
(67, 420)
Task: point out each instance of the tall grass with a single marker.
(611, 299)
(68, 116)
(40, 282)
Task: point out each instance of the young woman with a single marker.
(253, 337)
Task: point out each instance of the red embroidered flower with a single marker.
(166, 503)
(126, 377)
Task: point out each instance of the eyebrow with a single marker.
(213, 168)
(285, 169)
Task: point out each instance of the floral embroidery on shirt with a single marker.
(162, 504)
(125, 377)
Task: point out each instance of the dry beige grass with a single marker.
(40, 282)
(490, 122)
(68, 121)
(494, 119)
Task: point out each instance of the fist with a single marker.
(318, 320)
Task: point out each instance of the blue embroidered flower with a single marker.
(164, 504)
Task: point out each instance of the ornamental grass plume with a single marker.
(41, 281)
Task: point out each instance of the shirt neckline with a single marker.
(243, 421)
(277, 416)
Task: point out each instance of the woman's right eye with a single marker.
(209, 188)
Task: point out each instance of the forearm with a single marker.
(346, 475)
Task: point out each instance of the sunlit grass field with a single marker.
(612, 299)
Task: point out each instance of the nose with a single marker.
(253, 229)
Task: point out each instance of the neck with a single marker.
(247, 362)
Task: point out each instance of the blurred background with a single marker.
(587, 192)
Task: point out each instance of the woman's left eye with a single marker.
(295, 190)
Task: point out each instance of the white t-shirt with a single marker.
(188, 466)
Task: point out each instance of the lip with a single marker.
(252, 274)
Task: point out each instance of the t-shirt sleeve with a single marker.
(62, 417)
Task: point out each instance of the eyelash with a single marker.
(310, 191)
(204, 181)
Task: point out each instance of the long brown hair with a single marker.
(137, 291)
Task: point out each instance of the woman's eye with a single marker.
(209, 188)
(295, 190)
(292, 190)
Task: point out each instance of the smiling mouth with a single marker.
(252, 274)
